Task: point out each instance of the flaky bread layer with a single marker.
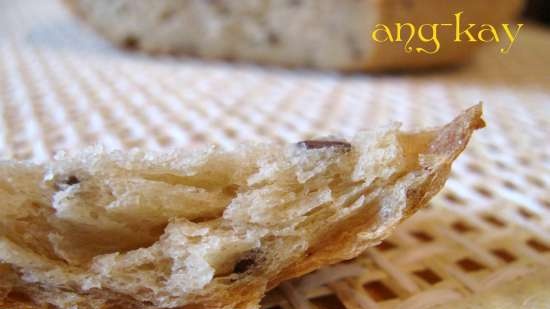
(209, 228)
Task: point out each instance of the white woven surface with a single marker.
(62, 87)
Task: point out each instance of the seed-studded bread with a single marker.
(209, 228)
(325, 34)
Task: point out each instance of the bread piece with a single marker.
(324, 34)
(209, 228)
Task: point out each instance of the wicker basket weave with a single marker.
(61, 87)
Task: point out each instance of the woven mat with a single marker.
(62, 87)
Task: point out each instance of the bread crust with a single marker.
(210, 229)
(449, 142)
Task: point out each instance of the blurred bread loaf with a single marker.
(209, 228)
(324, 34)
